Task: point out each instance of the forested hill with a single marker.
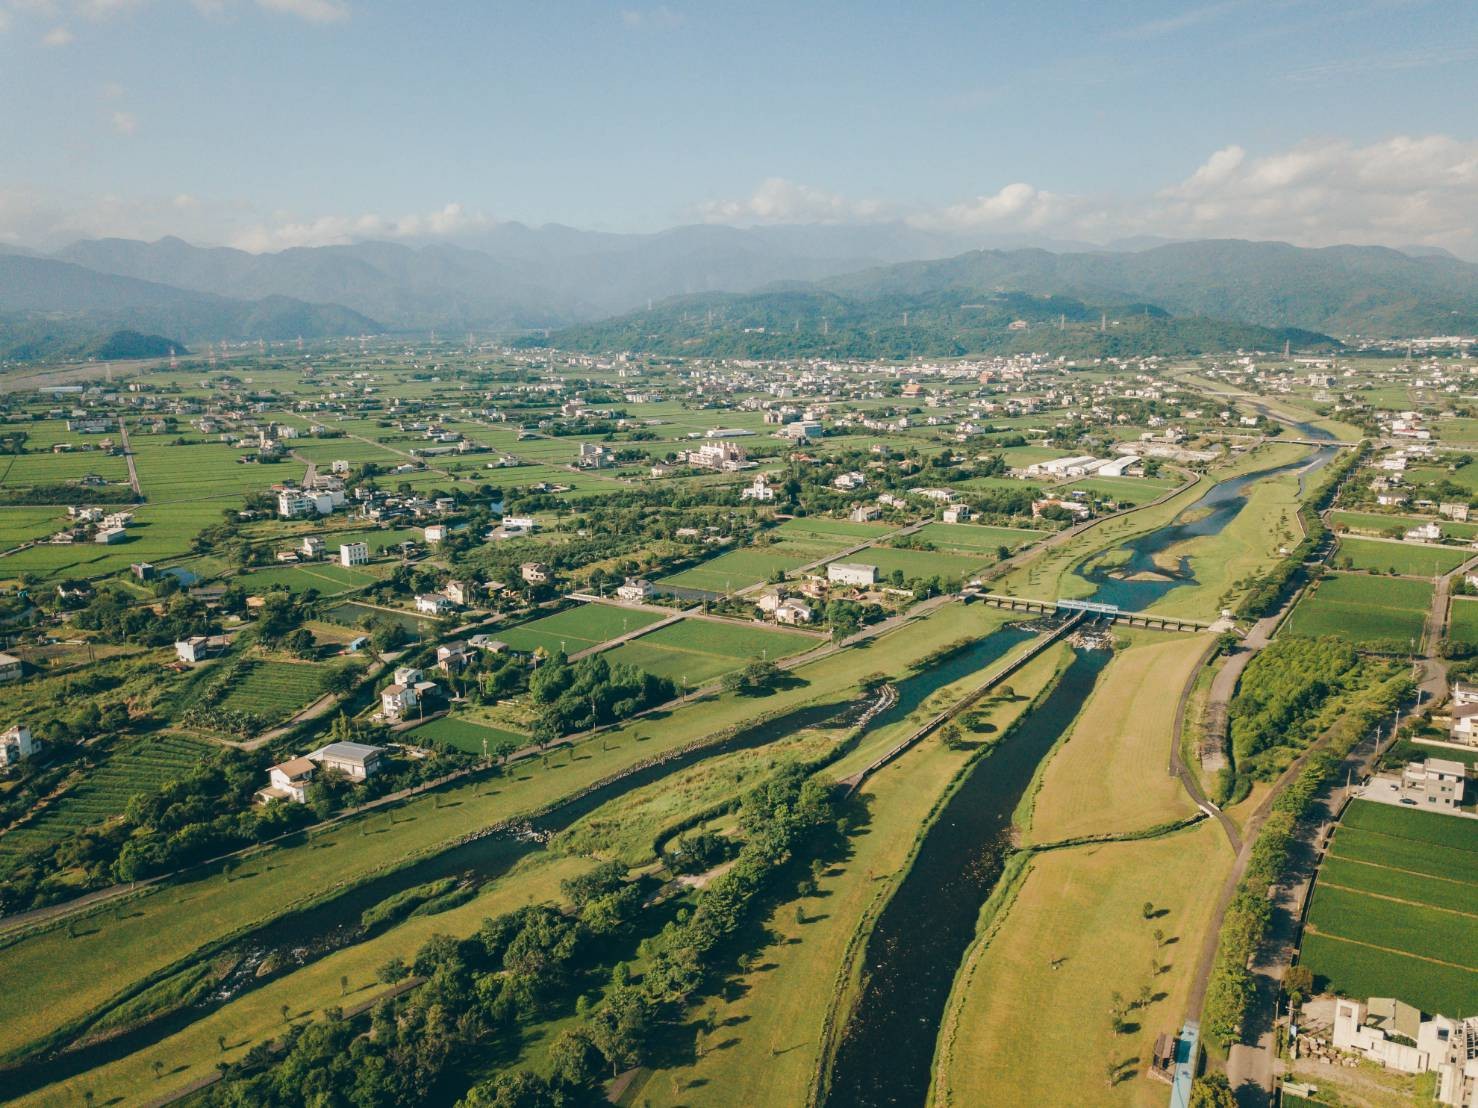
(811, 322)
(1342, 290)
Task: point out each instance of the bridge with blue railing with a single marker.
(1093, 608)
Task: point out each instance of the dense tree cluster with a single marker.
(576, 696)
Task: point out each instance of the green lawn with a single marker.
(1462, 624)
(273, 689)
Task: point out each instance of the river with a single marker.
(912, 955)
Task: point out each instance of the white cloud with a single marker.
(1016, 206)
(1179, 21)
(661, 18)
(1404, 189)
(4, 21)
(106, 9)
(337, 230)
(125, 123)
(778, 200)
(311, 11)
(57, 36)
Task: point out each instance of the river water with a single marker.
(910, 962)
(887, 1049)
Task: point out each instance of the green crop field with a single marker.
(1375, 523)
(922, 563)
(578, 628)
(739, 569)
(1408, 559)
(1393, 908)
(699, 650)
(139, 766)
(328, 578)
(1462, 620)
(970, 538)
(824, 529)
(274, 689)
(464, 734)
(1378, 612)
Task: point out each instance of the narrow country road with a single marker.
(133, 472)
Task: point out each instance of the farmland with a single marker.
(325, 577)
(578, 628)
(921, 563)
(695, 651)
(974, 538)
(139, 766)
(273, 690)
(465, 734)
(1392, 910)
(1407, 559)
(1382, 613)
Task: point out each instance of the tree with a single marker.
(573, 1059)
(1213, 1091)
(392, 971)
(301, 643)
(1148, 910)
(1298, 983)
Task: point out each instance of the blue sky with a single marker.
(272, 122)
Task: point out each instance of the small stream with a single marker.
(887, 1048)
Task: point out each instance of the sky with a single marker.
(265, 124)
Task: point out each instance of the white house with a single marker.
(460, 592)
(10, 667)
(15, 745)
(793, 612)
(1426, 532)
(433, 604)
(849, 481)
(288, 781)
(957, 513)
(313, 547)
(397, 700)
(865, 513)
(635, 589)
(197, 648)
(760, 490)
(1436, 784)
(354, 760)
(535, 573)
(436, 532)
(852, 573)
(353, 553)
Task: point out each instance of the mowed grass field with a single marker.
(1407, 559)
(466, 734)
(1073, 937)
(329, 578)
(578, 628)
(139, 766)
(698, 650)
(1395, 909)
(1378, 612)
(1109, 774)
(802, 541)
(921, 563)
(972, 538)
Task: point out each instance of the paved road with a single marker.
(133, 473)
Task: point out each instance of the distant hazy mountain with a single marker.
(807, 321)
(514, 276)
(1340, 289)
(75, 300)
(519, 278)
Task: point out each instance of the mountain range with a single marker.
(513, 278)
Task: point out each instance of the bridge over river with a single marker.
(1110, 612)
